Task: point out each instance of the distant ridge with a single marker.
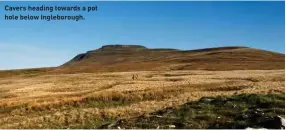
(137, 57)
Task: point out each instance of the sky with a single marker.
(180, 25)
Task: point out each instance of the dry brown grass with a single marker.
(78, 100)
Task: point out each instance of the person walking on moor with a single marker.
(134, 76)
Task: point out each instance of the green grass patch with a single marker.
(222, 112)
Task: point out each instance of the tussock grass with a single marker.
(87, 100)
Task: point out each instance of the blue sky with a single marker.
(181, 25)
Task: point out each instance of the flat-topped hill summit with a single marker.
(137, 57)
(122, 47)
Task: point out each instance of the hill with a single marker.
(120, 58)
(137, 58)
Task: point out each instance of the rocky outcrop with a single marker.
(121, 47)
(243, 111)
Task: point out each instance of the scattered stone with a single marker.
(282, 122)
(172, 126)
(110, 125)
(104, 126)
(248, 128)
(245, 116)
(234, 106)
(257, 113)
(158, 116)
(207, 99)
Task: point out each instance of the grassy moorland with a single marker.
(90, 100)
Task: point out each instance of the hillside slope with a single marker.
(135, 57)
